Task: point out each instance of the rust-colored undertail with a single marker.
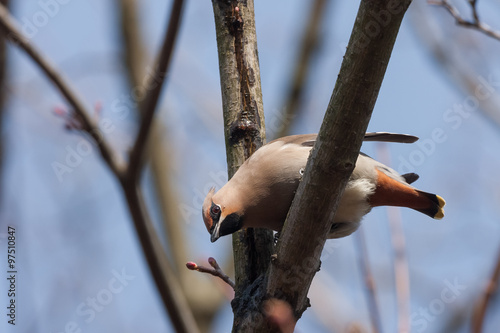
(390, 192)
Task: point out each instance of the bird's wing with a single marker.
(308, 140)
(389, 137)
(300, 139)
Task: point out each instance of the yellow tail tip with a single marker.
(440, 214)
(441, 201)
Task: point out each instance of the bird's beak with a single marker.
(214, 234)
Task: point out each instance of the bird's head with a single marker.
(220, 219)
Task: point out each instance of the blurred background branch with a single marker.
(155, 255)
(369, 280)
(450, 51)
(401, 269)
(475, 23)
(307, 49)
(82, 116)
(3, 97)
(204, 300)
(484, 301)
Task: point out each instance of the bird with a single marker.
(261, 191)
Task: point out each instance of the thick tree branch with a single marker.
(243, 126)
(475, 23)
(335, 153)
(152, 90)
(89, 125)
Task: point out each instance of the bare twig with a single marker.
(153, 89)
(484, 301)
(306, 51)
(14, 34)
(475, 23)
(215, 270)
(401, 270)
(364, 265)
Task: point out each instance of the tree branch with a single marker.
(335, 153)
(475, 23)
(152, 90)
(14, 34)
(243, 128)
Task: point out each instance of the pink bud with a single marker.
(191, 265)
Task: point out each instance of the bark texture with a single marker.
(336, 150)
(244, 130)
(331, 162)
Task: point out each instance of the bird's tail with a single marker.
(390, 192)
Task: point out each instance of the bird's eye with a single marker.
(215, 210)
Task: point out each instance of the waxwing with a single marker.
(260, 193)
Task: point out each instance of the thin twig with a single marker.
(153, 89)
(364, 265)
(215, 270)
(484, 301)
(474, 24)
(401, 270)
(14, 34)
(307, 50)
